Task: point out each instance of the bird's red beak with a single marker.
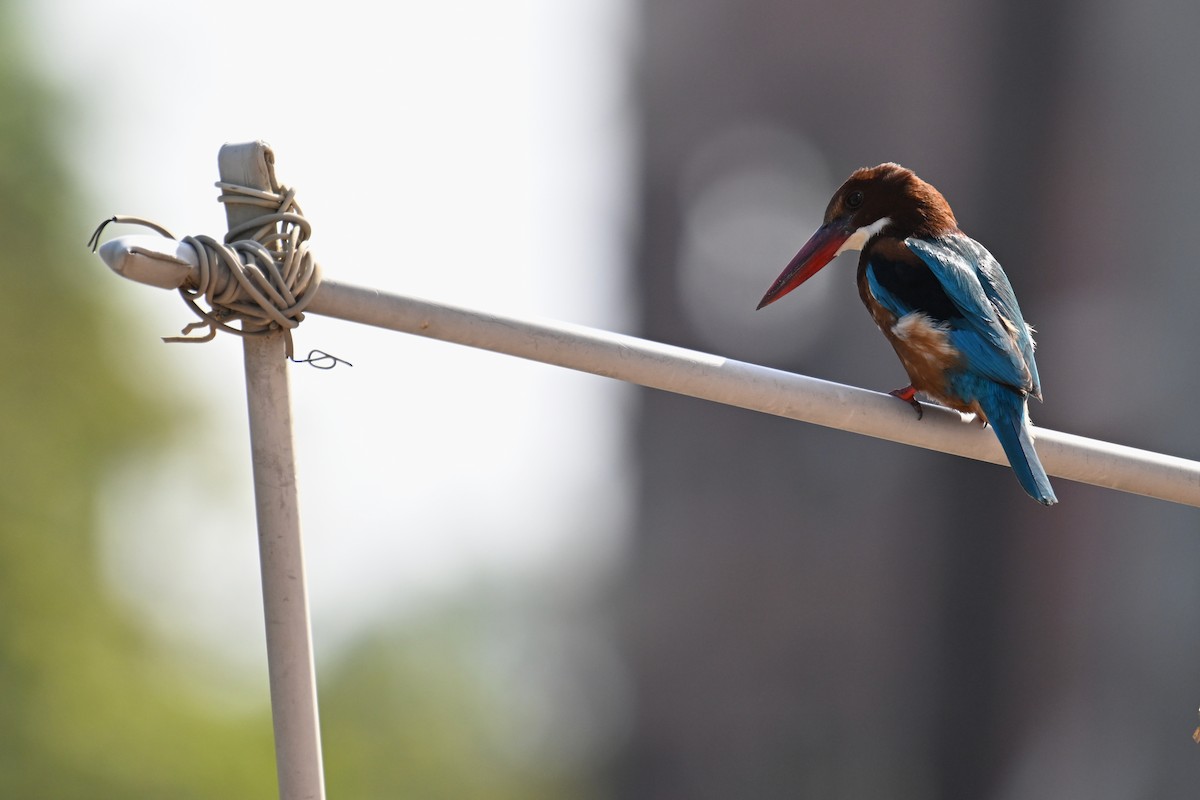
(816, 253)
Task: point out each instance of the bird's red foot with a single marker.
(909, 395)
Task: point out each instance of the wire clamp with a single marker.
(263, 275)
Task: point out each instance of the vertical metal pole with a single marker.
(285, 595)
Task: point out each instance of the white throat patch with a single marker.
(861, 236)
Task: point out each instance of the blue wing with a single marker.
(988, 329)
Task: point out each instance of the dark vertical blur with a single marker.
(809, 613)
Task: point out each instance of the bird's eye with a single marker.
(854, 199)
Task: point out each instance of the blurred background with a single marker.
(528, 583)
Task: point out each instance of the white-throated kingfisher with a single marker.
(940, 298)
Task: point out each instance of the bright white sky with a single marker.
(473, 152)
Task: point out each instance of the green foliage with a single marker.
(91, 706)
(90, 710)
(408, 715)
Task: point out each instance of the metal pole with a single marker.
(169, 264)
(771, 391)
(285, 595)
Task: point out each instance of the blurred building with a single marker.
(809, 613)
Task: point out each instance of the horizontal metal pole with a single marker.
(169, 263)
(771, 391)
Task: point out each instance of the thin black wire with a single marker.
(319, 359)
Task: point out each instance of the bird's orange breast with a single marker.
(925, 350)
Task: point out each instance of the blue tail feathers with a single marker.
(1005, 411)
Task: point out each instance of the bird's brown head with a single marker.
(887, 200)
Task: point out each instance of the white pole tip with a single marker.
(154, 260)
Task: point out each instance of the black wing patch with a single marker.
(913, 284)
